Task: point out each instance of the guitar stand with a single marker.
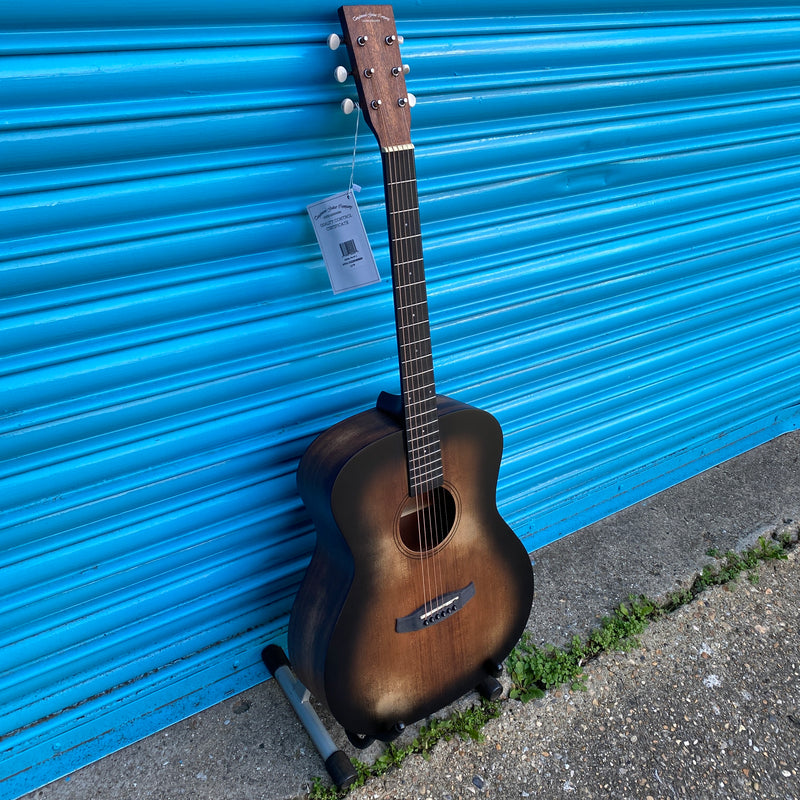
(490, 688)
(339, 766)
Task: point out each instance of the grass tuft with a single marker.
(467, 724)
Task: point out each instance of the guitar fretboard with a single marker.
(423, 450)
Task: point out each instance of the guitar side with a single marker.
(363, 578)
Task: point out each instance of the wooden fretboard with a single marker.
(423, 450)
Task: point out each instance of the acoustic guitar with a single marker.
(417, 589)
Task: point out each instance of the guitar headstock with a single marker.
(374, 49)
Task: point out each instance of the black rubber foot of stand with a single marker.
(490, 688)
(340, 768)
(274, 658)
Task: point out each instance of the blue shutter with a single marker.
(612, 230)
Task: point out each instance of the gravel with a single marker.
(707, 706)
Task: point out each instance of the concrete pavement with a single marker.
(708, 706)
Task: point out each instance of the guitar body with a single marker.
(469, 579)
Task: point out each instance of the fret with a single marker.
(430, 399)
(408, 261)
(421, 444)
(409, 285)
(424, 424)
(423, 427)
(430, 396)
(422, 302)
(429, 431)
(419, 358)
(427, 462)
(412, 236)
(427, 449)
(435, 472)
(416, 325)
(428, 387)
(422, 477)
(418, 343)
(405, 210)
(422, 418)
(420, 414)
(422, 378)
(426, 459)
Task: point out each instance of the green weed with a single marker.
(731, 567)
(534, 670)
(467, 724)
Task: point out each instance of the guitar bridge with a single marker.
(436, 610)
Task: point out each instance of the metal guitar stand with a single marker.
(339, 766)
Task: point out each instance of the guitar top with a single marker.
(417, 589)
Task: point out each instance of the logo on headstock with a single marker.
(371, 16)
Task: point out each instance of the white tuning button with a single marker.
(348, 105)
(412, 100)
(334, 40)
(340, 74)
(401, 39)
(406, 69)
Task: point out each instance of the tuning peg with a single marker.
(334, 40)
(412, 100)
(340, 74)
(348, 106)
(405, 69)
(409, 101)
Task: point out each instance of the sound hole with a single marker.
(425, 520)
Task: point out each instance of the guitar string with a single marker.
(437, 499)
(436, 513)
(418, 383)
(403, 290)
(429, 431)
(415, 392)
(420, 378)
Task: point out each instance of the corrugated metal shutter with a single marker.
(612, 239)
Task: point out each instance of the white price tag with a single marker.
(343, 241)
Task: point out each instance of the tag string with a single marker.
(355, 144)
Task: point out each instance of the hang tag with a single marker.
(343, 241)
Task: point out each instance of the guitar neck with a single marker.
(418, 388)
